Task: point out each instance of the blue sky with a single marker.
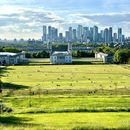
(24, 19)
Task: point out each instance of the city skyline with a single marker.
(83, 34)
(24, 19)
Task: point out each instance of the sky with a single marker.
(25, 18)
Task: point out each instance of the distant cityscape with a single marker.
(83, 34)
(80, 34)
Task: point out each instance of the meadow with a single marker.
(65, 97)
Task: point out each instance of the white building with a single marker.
(62, 57)
(106, 58)
(7, 58)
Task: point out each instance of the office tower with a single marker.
(110, 35)
(95, 34)
(106, 35)
(91, 34)
(60, 37)
(115, 37)
(44, 37)
(67, 36)
(120, 35)
(85, 34)
(74, 36)
(102, 35)
(123, 38)
(54, 34)
(79, 32)
(49, 33)
(70, 34)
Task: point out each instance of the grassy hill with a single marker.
(66, 97)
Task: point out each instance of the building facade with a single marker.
(62, 57)
(7, 58)
(106, 58)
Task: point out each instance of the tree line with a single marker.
(9, 49)
(121, 55)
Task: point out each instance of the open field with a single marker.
(60, 104)
(67, 121)
(66, 97)
(69, 79)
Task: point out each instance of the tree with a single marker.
(122, 56)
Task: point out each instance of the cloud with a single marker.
(20, 17)
(103, 20)
(26, 20)
(108, 18)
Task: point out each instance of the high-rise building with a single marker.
(85, 34)
(44, 37)
(110, 35)
(106, 35)
(115, 37)
(74, 36)
(70, 34)
(60, 37)
(49, 33)
(80, 32)
(95, 34)
(120, 35)
(67, 36)
(102, 36)
(91, 34)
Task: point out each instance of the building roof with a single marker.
(8, 54)
(101, 53)
(61, 53)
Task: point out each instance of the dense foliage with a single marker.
(83, 54)
(122, 56)
(105, 49)
(9, 49)
(42, 54)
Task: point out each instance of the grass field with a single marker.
(67, 121)
(66, 97)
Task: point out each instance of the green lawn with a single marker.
(66, 97)
(60, 104)
(67, 121)
(69, 77)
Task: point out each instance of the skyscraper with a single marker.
(110, 35)
(106, 35)
(44, 37)
(67, 36)
(95, 34)
(70, 34)
(49, 33)
(74, 36)
(120, 35)
(85, 34)
(79, 32)
(115, 37)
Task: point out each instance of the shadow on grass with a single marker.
(82, 63)
(12, 120)
(4, 69)
(13, 86)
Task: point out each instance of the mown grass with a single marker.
(73, 97)
(72, 121)
(60, 104)
(70, 77)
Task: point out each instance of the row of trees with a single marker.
(9, 49)
(42, 54)
(121, 55)
(79, 54)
